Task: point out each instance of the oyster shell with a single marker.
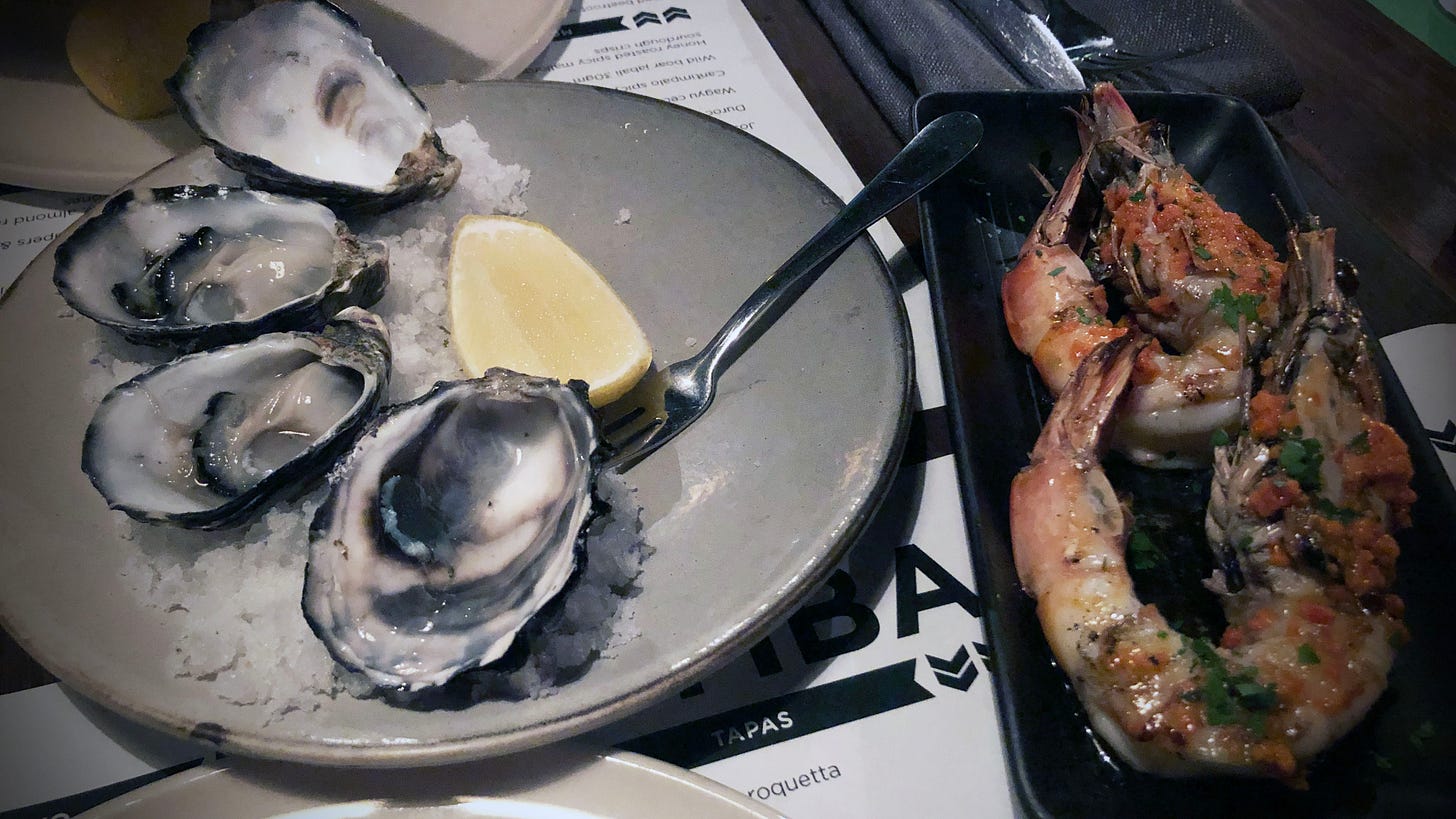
(205, 265)
(454, 521)
(203, 440)
(293, 95)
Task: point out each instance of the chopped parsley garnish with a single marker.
(1232, 307)
(1255, 721)
(1220, 438)
(1137, 254)
(1207, 657)
(1087, 318)
(1307, 655)
(1423, 732)
(1301, 459)
(1360, 444)
(1383, 762)
(1202, 252)
(1137, 197)
(1231, 699)
(1056, 271)
(1254, 696)
(1162, 635)
(1328, 509)
(1144, 552)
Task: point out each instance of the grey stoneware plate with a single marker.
(559, 782)
(747, 511)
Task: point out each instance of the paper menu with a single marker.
(707, 56)
(62, 754)
(1422, 357)
(29, 220)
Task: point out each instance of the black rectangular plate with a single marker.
(1401, 760)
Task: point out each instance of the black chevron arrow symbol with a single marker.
(1445, 440)
(642, 18)
(958, 672)
(675, 13)
(588, 28)
(953, 665)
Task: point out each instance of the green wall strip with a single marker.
(1427, 20)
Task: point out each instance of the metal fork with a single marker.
(1078, 34)
(666, 401)
(1119, 61)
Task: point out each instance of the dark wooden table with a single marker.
(1372, 144)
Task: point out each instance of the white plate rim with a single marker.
(651, 778)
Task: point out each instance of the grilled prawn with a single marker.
(1300, 516)
(1319, 480)
(1302, 509)
(1055, 310)
(1191, 274)
(1161, 700)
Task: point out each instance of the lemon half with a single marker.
(521, 298)
(122, 50)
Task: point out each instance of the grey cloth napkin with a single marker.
(900, 49)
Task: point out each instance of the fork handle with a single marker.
(935, 150)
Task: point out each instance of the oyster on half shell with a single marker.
(456, 519)
(204, 265)
(293, 96)
(203, 440)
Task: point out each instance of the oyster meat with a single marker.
(456, 519)
(205, 265)
(203, 440)
(293, 95)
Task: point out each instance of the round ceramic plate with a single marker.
(58, 137)
(748, 510)
(560, 782)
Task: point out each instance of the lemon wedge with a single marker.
(122, 50)
(521, 298)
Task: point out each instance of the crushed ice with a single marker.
(254, 648)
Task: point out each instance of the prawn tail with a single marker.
(1054, 226)
(1120, 144)
(1317, 315)
(1083, 413)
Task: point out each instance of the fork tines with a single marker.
(1117, 60)
(622, 437)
